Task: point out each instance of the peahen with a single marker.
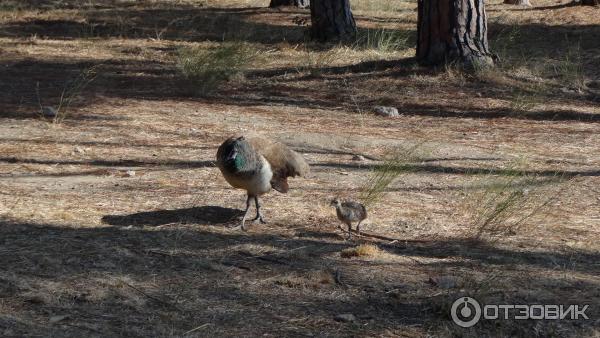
(256, 165)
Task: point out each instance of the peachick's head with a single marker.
(335, 203)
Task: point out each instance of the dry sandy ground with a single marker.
(115, 221)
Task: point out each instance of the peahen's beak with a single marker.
(231, 157)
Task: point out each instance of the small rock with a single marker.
(443, 282)
(358, 158)
(386, 111)
(34, 299)
(569, 90)
(593, 84)
(130, 173)
(345, 318)
(79, 150)
(49, 111)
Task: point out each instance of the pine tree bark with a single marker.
(332, 20)
(518, 2)
(590, 2)
(453, 31)
(295, 3)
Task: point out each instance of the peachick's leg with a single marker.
(246, 212)
(349, 230)
(358, 228)
(259, 216)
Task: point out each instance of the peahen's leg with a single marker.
(259, 216)
(246, 212)
(358, 228)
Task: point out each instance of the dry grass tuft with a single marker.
(312, 279)
(363, 250)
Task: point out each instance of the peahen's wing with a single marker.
(284, 161)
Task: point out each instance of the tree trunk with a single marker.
(453, 30)
(590, 2)
(518, 2)
(332, 20)
(295, 3)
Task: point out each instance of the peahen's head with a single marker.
(234, 156)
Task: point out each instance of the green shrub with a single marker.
(400, 161)
(207, 69)
(507, 199)
(382, 40)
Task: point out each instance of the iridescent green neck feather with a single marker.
(239, 162)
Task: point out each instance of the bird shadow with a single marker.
(209, 214)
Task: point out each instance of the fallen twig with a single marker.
(197, 328)
(156, 299)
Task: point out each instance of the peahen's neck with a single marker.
(239, 162)
(239, 158)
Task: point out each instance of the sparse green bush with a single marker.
(506, 44)
(569, 69)
(207, 69)
(71, 92)
(522, 101)
(315, 61)
(386, 6)
(382, 40)
(400, 161)
(11, 5)
(507, 199)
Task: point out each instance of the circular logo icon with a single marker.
(465, 312)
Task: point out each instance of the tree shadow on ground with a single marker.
(34, 82)
(166, 22)
(441, 169)
(324, 87)
(178, 22)
(103, 167)
(545, 8)
(108, 144)
(115, 163)
(187, 276)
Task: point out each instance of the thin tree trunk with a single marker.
(518, 2)
(451, 31)
(295, 3)
(332, 20)
(590, 2)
